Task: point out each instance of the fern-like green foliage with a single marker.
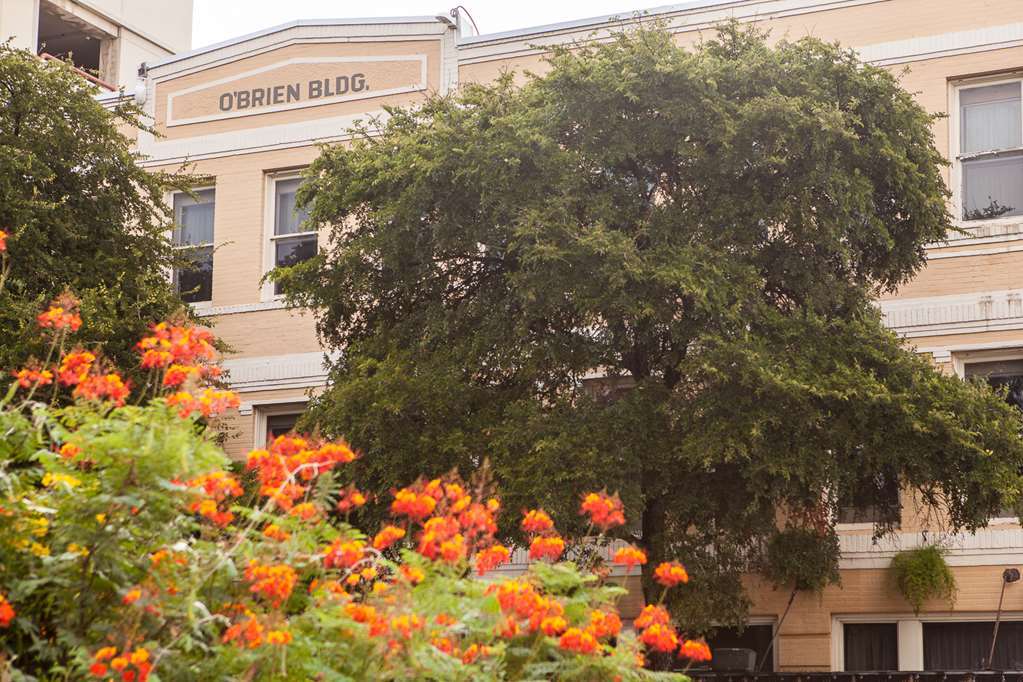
(922, 574)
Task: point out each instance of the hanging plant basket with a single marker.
(922, 574)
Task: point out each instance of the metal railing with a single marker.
(47, 57)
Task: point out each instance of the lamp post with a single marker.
(1009, 575)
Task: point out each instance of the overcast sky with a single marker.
(217, 20)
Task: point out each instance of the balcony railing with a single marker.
(47, 57)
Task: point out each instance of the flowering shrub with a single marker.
(131, 548)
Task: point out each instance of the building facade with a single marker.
(106, 38)
(249, 112)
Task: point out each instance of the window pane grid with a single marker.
(192, 238)
(991, 151)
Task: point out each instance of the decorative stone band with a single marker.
(987, 547)
(958, 314)
(297, 370)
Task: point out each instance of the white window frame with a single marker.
(910, 632)
(169, 198)
(262, 411)
(959, 362)
(269, 238)
(955, 135)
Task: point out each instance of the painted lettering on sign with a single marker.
(235, 100)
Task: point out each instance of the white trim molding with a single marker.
(955, 314)
(986, 547)
(297, 370)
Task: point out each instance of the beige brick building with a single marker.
(249, 112)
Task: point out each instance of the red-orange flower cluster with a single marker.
(694, 650)
(537, 521)
(272, 581)
(130, 666)
(209, 403)
(75, 367)
(6, 611)
(62, 314)
(290, 459)
(579, 641)
(605, 511)
(176, 344)
(343, 553)
(490, 558)
(630, 556)
(107, 386)
(218, 487)
(387, 536)
(32, 376)
(671, 573)
(546, 547)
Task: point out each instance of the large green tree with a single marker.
(80, 213)
(705, 229)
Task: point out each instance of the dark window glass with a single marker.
(871, 646)
(279, 424)
(193, 235)
(1007, 377)
(965, 646)
(755, 637)
(875, 500)
(292, 251)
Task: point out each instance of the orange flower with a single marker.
(537, 521)
(630, 556)
(274, 532)
(30, 376)
(412, 574)
(3, 240)
(98, 670)
(491, 557)
(69, 451)
(605, 511)
(108, 386)
(671, 573)
(604, 624)
(278, 637)
(350, 499)
(652, 614)
(272, 581)
(179, 374)
(453, 549)
(75, 366)
(474, 651)
(659, 637)
(62, 314)
(251, 631)
(546, 548)
(305, 511)
(578, 641)
(105, 654)
(6, 612)
(553, 625)
(415, 505)
(132, 596)
(387, 536)
(405, 625)
(209, 403)
(139, 656)
(695, 650)
(183, 345)
(343, 553)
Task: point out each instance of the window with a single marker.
(291, 241)
(991, 151)
(965, 645)
(870, 646)
(193, 237)
(275, 419)
(1003, 376)
(873, 501)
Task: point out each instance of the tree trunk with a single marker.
(653, 530)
